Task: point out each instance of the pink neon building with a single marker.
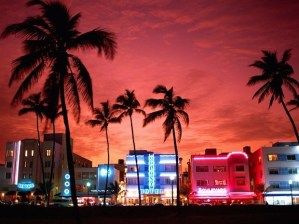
(220, 179)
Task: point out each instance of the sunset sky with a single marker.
(202, 48)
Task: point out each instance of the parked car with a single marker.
(61, 202)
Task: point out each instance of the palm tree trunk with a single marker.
(52, 163)
(108, 163)
(290, 118)
(136, 162)
(69, 152)
(177, 169)
(41, 157)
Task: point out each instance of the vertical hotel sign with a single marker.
(151, 172)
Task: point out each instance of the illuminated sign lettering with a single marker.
(151, 191)
(151, 172)
(212, 191)
(26, 185)
(103, 172)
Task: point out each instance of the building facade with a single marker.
(157, 174)
(220, 179)
(275, 173)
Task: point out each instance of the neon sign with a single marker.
(26, 185)
(212, 191)
(67, 184)
(103, 172)
(151, 191)
(151, 172)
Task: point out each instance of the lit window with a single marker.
(202, 169)
(25, 164)
(240, 168)
(272, 157)
(48, 152)
(32, 152)
(219, 168)
(220, 182)
(202, 182)
(260, 159)
(10, 153)
(26, 153)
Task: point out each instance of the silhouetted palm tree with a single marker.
(127, 104)
(52, 112)
(173, 108)
(49, 41)
(103, 117)
(294, 102)
(275, 74)
(35, 104)
(114, 189)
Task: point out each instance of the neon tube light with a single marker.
(221, 157)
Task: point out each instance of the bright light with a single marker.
(171, 177)
(290, 182)
(88, 184)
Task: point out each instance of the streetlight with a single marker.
(172, 180)
(291, 188)
(88, 186)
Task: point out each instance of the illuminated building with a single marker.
(157, 178)
(275, 173)
(220, 179)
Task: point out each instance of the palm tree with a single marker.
(275, 74)
(294, 102)
(127, 104)
(49, 41)
(114, 189)
(103, 117)
(35, 104)
(173, 108)
(52, 112)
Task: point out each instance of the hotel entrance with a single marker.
(152, 199)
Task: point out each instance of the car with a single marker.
(61, 202)
(206, 204)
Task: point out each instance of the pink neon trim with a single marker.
(221, 157)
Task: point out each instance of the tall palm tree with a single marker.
(52, 113)
(103, 117)
(127, 104)
(173, 108)
(294, 102)
(35, 104)
(49, 41)
(114, 189)
(274, 75)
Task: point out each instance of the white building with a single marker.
(157, 178)
(277, 169)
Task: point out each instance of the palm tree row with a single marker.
(171, 106)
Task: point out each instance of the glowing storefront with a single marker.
(157, 178)
(220, 179)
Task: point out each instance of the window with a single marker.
(220, 182)
(48, 164)
(132, 181)
(8, 176)
(291, 157)
(240, 168)
(219, 169)
(260, 159)
(9, 153)
(25, 164)
(26, 153)
(48, 152)
(30, 164)
(8, 164)
(32, 152)
(240, 181)
(202, 169)
(272, 157)
(274, 184)
(202, 182)
(273, 171)
(292, 170)
(169, 167)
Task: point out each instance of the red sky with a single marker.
(202, 48)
